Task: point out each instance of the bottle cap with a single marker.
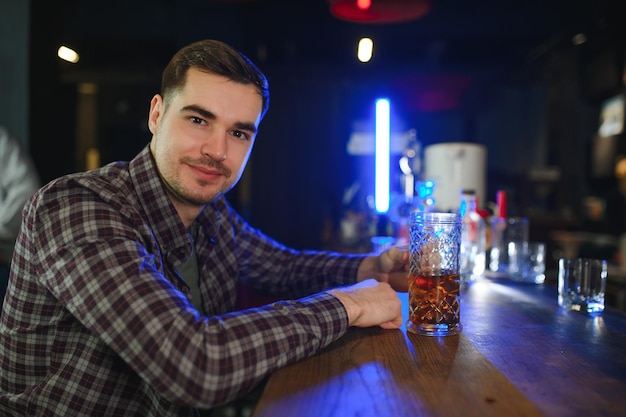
(501, 202)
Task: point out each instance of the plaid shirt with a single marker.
(97, 322)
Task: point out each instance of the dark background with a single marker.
(505, 74)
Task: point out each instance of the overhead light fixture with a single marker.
(363, 4)
(365, 49)
(579, 38)
(379, 11)
(68, 54)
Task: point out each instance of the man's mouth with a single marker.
(206, 173)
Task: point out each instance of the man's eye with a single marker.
(240, 135)
(196, 120)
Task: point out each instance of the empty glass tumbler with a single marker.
(509, 245)
(582, 283)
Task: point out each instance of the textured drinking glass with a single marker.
(509, 245)
(434, 280)
(582, 283)
(533, 267)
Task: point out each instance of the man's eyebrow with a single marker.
(202, 112)
(246, 126)
(209, 115)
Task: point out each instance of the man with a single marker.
(121, 295)
(18, 182)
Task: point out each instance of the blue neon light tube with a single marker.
(381, 190)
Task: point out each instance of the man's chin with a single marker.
(202, 200)
(198, 199)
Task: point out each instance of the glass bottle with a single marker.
(473, 238)
(498, 253)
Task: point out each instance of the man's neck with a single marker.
(186, 212)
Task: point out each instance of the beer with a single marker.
(434, 274)
(434, 300)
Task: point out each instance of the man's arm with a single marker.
(374, 301)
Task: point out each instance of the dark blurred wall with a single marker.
(52, 107)
(538, 115)
(14, 86)
(300, 166)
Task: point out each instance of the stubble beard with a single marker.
(198, 192)
(183, 195)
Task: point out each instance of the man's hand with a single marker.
(371, 303)
(391, 266)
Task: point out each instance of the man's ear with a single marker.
(156, 111)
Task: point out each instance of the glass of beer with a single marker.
(434, 280)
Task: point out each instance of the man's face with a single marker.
(202, 140)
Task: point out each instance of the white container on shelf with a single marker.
(454, 166)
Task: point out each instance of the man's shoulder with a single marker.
(111, 178)
(106, 188)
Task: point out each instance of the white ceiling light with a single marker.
(365, 49)
(68, 54)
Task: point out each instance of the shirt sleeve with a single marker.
(96, 261)
(271, 267)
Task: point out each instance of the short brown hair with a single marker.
(214, 57)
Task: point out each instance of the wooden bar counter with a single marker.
(519, 355)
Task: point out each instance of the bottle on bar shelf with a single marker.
(473, 238)
(498, 224)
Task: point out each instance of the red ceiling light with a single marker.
(363, 4)
(379, 11)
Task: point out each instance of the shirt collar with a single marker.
(164, 220)
(165, 223)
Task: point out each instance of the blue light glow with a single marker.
(381, 191)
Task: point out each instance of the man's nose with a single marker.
(215, 147)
